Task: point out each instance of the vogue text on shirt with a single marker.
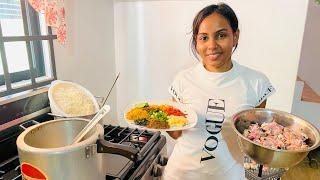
(215, 116)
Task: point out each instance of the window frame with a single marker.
(34, 47)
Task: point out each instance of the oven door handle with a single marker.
(129, 152)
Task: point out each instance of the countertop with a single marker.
(308, 169)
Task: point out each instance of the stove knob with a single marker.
(157, 171)
(163, 160)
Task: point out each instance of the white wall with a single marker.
(88, 56)
(307, 110)
(152, 44)
(310, 54)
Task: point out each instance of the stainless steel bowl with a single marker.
(274, 157)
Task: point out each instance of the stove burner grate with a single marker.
(10, 169)
(142, 140)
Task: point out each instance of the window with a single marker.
(26, 48)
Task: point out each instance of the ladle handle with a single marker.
(100, 114)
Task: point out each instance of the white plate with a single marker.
(190, 115)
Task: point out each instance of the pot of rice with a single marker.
(68, 99)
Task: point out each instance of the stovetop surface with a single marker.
(10, 169)
(8, 137)
(131, 137)
(35, 106)
(144, 141)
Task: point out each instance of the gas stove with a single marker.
(10, 169)
(151, 157)
(149, 164)
(148, 161)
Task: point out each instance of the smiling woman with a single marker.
(216, 88)
(214, 43)
(214, 38)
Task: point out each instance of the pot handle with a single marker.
(129, 152)
(27, 124)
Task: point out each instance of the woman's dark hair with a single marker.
(222, 9)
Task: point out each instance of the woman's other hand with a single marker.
(175, 134)
(263, 104)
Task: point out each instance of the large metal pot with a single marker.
(45, 149)
(265, 155)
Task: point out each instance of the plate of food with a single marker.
(165, 116)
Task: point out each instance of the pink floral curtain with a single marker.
(54, 14)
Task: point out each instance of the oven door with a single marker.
(152, 167)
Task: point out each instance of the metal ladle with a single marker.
(100, 114)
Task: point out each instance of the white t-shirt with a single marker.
(210, 149)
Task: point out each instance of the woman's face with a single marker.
(214, 43)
